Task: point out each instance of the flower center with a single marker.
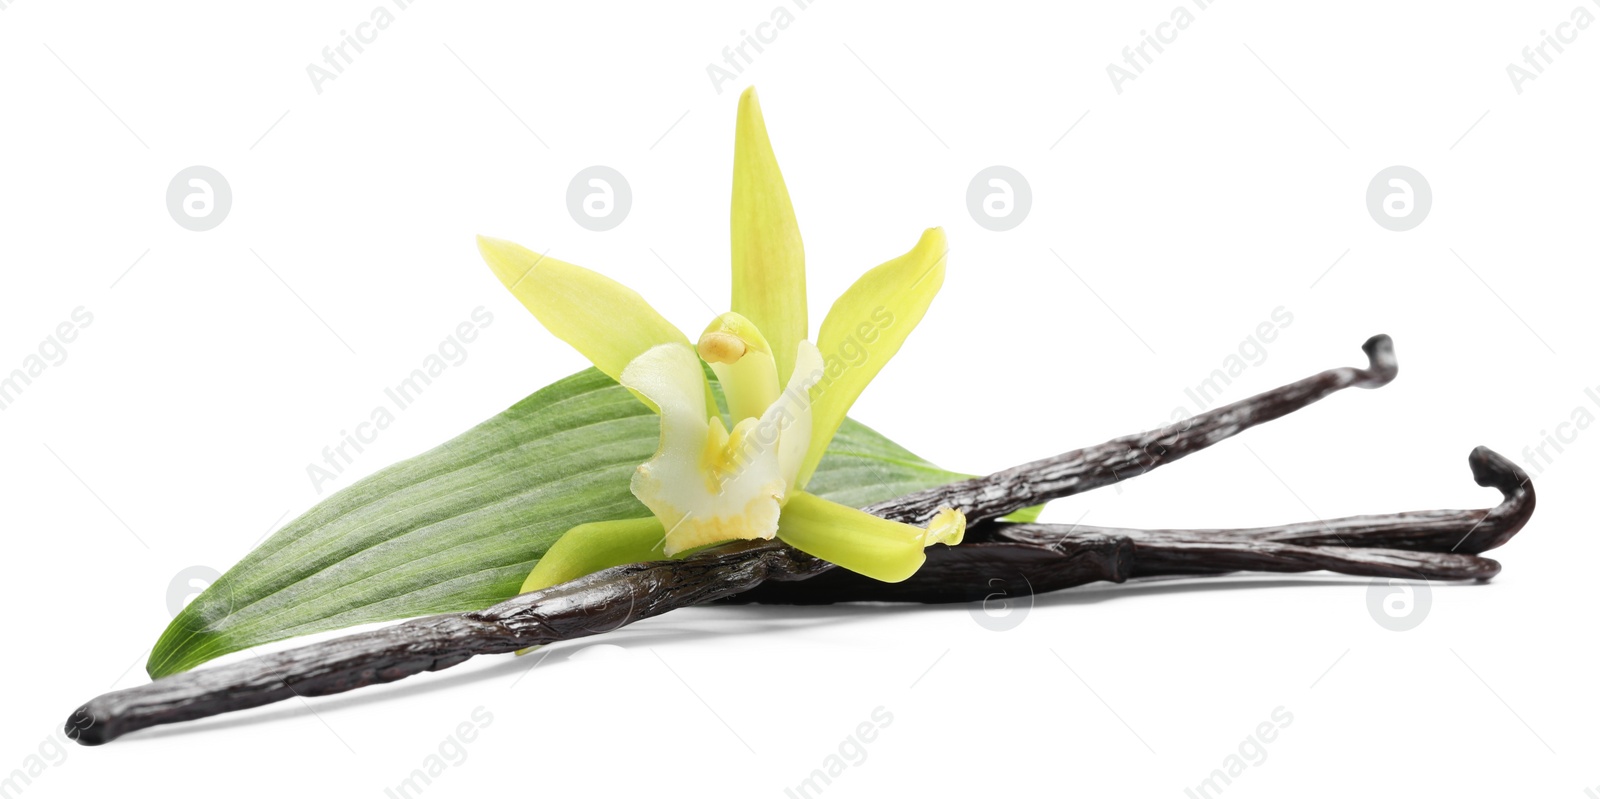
(743, 361)
(719, 347)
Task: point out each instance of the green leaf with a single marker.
(1027, 515)
(461, 526)
(862, 467)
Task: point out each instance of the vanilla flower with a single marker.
(714, 480)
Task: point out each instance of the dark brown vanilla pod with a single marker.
(1469, 531)
(1040, 557)
(591, 605)
(1016, 568)
(609, 599)
(984, 498)
(1015, 559)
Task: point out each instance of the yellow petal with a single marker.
(609, 323)
(948, 526)
(863, 543)
(769, 263)
(588, 548)
(865, 328)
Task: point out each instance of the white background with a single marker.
(1217, 186)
